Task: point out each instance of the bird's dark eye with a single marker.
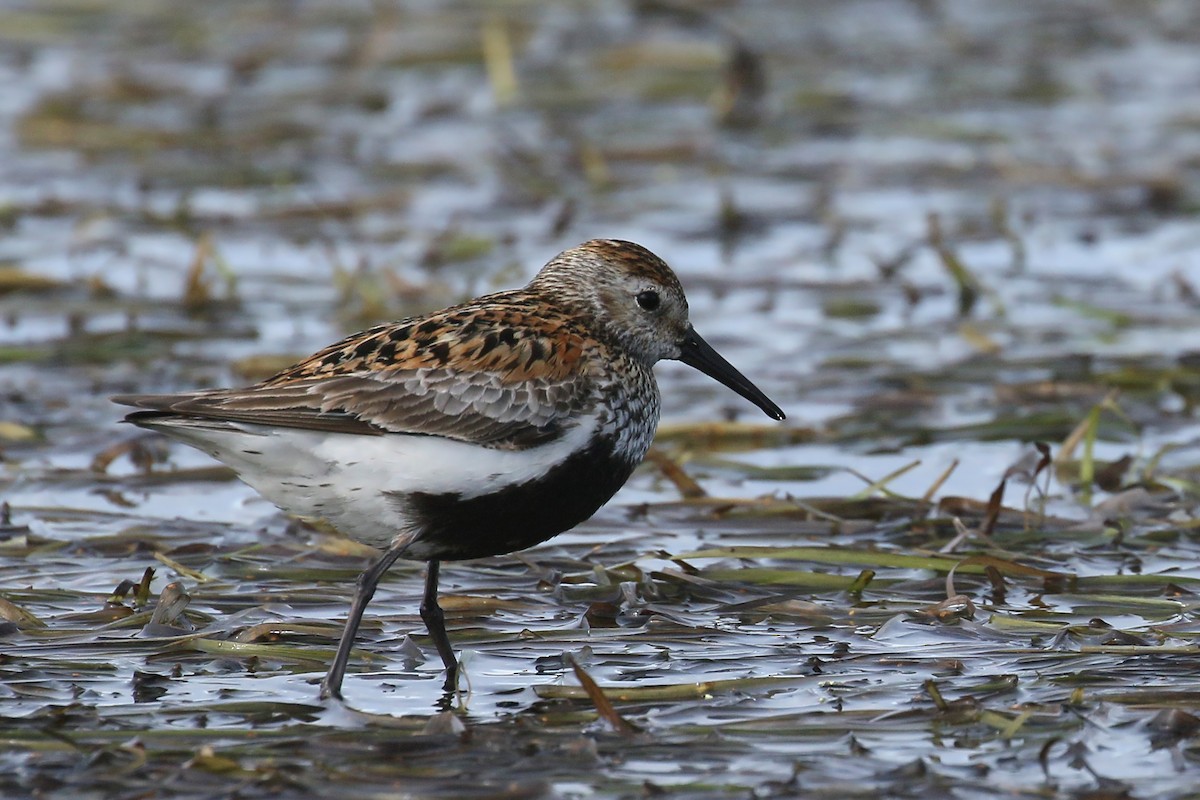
(648, 300)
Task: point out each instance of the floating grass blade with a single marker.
(604, 706)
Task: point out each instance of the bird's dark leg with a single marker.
(331, 686)
(435, 621)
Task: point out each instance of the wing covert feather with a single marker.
(506, 384)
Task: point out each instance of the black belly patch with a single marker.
(451, 527)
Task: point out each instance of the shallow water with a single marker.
(933, 241)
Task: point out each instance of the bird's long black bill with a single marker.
(695, 352)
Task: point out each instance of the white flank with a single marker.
(353, 481)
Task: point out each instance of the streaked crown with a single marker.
(632, 297)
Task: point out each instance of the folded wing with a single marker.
(506, 385)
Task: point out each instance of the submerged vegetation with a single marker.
(960, 249)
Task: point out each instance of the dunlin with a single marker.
(480, 429)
